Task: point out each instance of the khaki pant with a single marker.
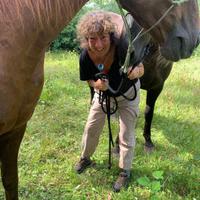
(128, 112)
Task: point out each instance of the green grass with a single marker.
(51, 145)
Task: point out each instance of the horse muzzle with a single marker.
(180, 45)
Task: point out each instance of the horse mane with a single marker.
(41, 11)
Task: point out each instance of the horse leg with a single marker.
(9, 154)
(151, 98)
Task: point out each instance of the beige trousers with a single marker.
(128, 112)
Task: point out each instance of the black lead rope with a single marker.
(109, 129)
(105, 97)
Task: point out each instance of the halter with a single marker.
(130, 49)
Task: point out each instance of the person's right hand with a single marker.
(101, 84)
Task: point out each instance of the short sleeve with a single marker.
(86, 67)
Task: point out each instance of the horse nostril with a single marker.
(181, 42)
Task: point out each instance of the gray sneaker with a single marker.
(82, 165)
(122, 181)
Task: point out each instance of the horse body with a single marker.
(156, 69)
(27, 28)
(21, 80)
(178, 33)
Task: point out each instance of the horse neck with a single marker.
(34, 28)
(41, 21)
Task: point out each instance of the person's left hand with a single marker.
(137, 72)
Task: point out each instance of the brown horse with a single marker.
(27, 28)
(177, 33)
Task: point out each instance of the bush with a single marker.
(66, 40)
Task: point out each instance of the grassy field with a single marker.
(51, 145)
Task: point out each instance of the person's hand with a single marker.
(101, 84)
(137, 72)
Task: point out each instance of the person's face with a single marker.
(99, 44)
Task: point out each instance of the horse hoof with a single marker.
(149, 148)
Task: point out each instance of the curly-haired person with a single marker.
(99, 35)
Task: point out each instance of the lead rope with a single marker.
(104, 96)
(109, 130)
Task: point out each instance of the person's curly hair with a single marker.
(95, 22)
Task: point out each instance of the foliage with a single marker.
(153, 185)
(66, 40)
(51, 145)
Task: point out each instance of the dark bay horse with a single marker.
(26, 29)
(164, 49)
(156, 71)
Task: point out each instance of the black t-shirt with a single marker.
(88, 70)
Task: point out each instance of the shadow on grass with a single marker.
(182, 134)
(176, 183)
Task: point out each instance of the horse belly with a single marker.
(18, 103)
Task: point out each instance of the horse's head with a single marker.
(178, 33)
